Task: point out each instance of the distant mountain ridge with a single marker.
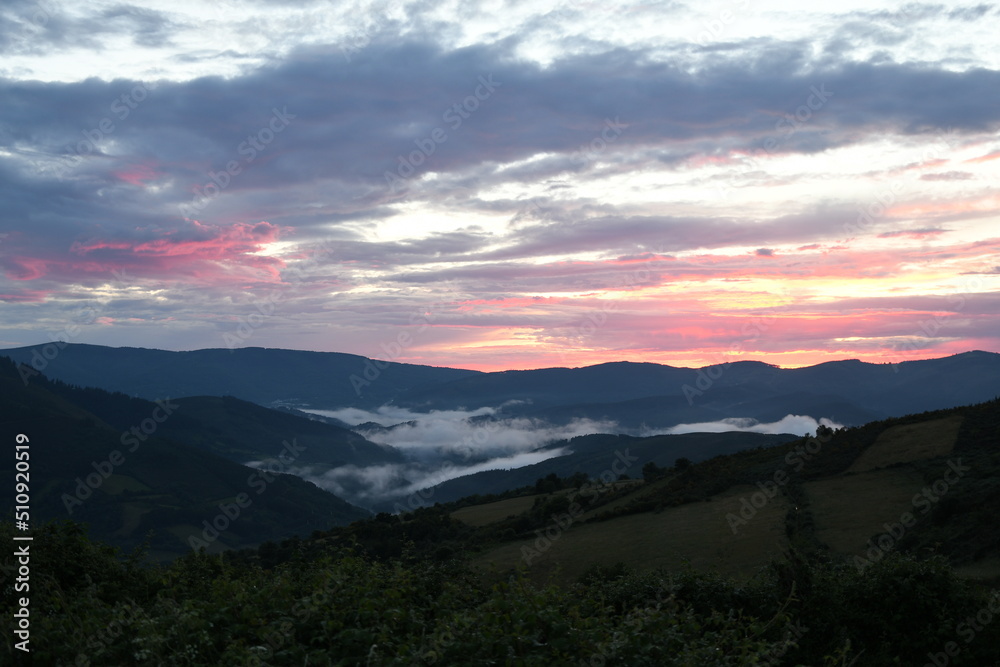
(860, 391)
(631, 394)
(268, 377)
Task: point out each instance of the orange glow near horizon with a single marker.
(692, 359)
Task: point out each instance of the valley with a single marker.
(501, 495)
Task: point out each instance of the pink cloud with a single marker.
(25, 296)
(913, 234)
(985, 158)
(931, 209)
(137, 174)
(215, 242)
(25, 268)
(206, 252)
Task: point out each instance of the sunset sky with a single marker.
(503, 185)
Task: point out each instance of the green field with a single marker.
(482, 515)
(910, 442)
(698, 533)
(849, 509)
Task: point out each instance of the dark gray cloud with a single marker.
(30, 27)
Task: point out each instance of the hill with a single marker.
(236, 429)
(849, 392)
(798, 553)
(607, 455)
(265, 376)
(126, 481)
(925, 482)
(634, 395)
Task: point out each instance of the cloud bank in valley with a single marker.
(446, 444)
(443, 445)
(475, 434)
(797, 424)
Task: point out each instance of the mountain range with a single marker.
(132, 440)
(632, 395)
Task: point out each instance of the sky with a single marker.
(503, 185)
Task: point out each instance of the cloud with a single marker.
(369, 486)
(477, 435)
(787, 424)
(442, 445)
(539, 148)
(948, 176)
(33, 28)
(914, 233)
(447, 444)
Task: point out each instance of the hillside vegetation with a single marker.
(834, 550)
(926, 483)
(90, 607)
(121, 475)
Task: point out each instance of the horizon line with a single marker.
(63, 344)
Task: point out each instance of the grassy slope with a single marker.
(698, 533)
(858, 481)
